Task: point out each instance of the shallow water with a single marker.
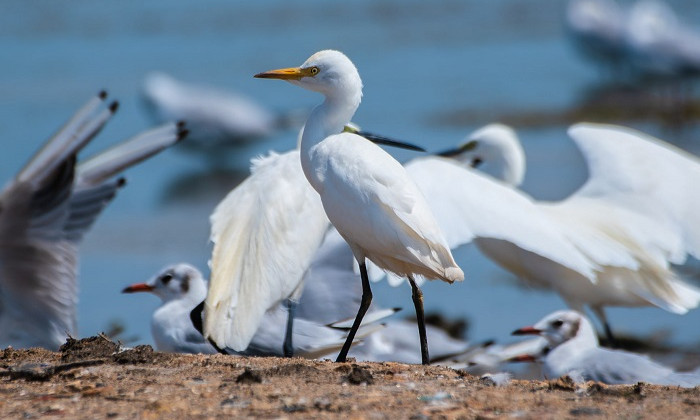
(419, 61)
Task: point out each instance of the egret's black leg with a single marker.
(288, 347)
(417, 296)
(600, 313)
(364, 305)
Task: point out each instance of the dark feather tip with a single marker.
(114, 106)
(121, 182)
(181, 124)
(103, 94)
(182, 134)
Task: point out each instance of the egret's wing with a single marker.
(469, 205)
(265, 233)
(647, 177)
(621, 367)
(332, 289)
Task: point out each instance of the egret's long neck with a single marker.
(327, 119)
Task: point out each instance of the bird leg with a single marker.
(417, 296)
(364, 305)
(288, 348)
(600, 313)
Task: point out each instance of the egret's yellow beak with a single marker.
(291, 73)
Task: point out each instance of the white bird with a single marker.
(44, 213)
(574, 351)
(366, 194)
(182, 287)
(265, 233)
(658, 43)
(597, 29)
(610, 243)
(214, 117)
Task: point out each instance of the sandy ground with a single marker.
(87, 379)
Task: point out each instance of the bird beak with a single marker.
(527, 331)
(138, 287)
(522, 358)
(291, 73)
(470, 145)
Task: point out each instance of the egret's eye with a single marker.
(557, 323)
(166, 278)
(314, 70)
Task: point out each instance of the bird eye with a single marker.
(557, 323)
(476, 162)
(166, 278)
(314, 71)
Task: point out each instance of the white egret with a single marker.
(608, 244)
(574, 351)
(44, 213)
(366, 194)
(265, 233)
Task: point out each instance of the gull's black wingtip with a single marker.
(114, 106)
(103, 94)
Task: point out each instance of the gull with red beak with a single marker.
(573, 350)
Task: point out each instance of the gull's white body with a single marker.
(658, 43)
(214, 117)
(44, 213)
(597, 28)
(608, 244)
(574, 351)
(185, 288)
(265, 233)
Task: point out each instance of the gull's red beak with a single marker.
(522, 358)
(138, 287)
(527, 331)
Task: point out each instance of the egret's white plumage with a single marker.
(44, 213)
(608, 244)
(366, 194)
(265, 233)
(574, 351)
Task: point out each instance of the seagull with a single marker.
(44, 213)
(610, 243)
(574, 351)
(366, 194)
(597, 30)
(658, 43)
(214, 116)
(182, 287)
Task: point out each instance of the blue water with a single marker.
(419, 60)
